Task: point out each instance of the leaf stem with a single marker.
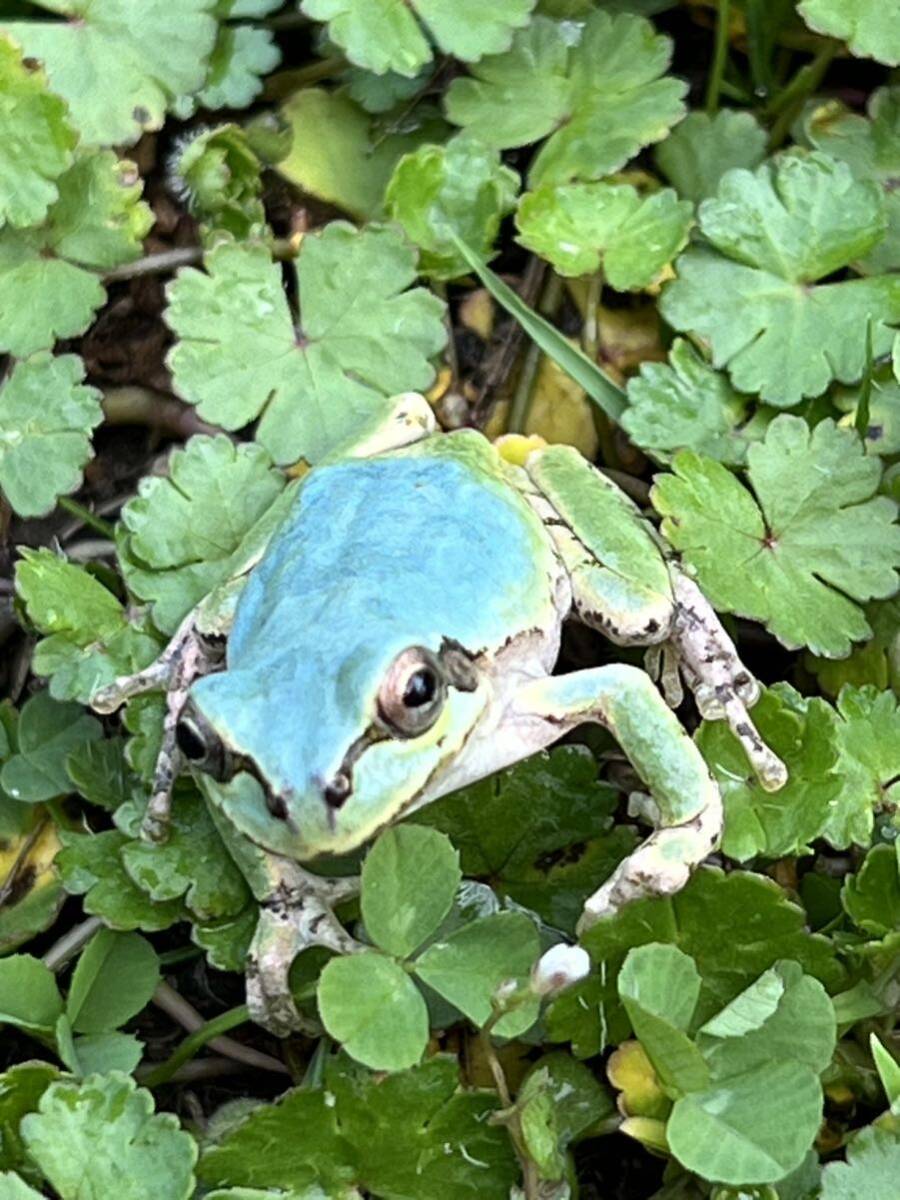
(522, 397)
(194, 1043)
(87, 517)
(791, 98)
(720, 58)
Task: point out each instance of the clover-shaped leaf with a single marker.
(803, 553)
(120, 63)
(686, 404)
(409, 880)
(36, 140)
(371, 1006)
(871, 1169)
(868, 27)
(185, 532)
(89, 639)
(29, 996)
(47, 733)
(802, 731)
(752, 295)
(580, 225)
(363, 336)
(460, 186)
(114, 978)
(871, 148)
(46, 418)
(383, 35)
(49, 284)
(868, 736)
(699, 151)
(596, 89)
(101, 1137)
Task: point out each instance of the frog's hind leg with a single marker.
(188, 655)
(687, 804)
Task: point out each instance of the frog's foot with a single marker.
(297, 915)
(685, 800)
(723, 687)
(188, 655)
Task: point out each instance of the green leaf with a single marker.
(186, 532)
(241, 56)
(409, 880)
(583, 225)
(36, 140)
(784, 1015)
(91, 865)
(686, 404)
(100, 773)
(340, 155)
(193, 864)
(462, 186)
(578, 1100)
(89, 637)
(802, 732)
(871, 1169)
(888, 1072)
(867, 27)
(468, 966)
(541, 832)
(659, 987)
(363, 337)
(102, 1138)
(49, 286)
(119, 64)
(803, 552)
(113, 980)
(871, 896)
(221, 180)
(21, 1087)
(384, 35)
(750, 1128)
(48, 733)
(98, 1053)
(751, 295)
(29, 997)
(46, 418)
(13, 1187)
(595, 88)
(568, 357)
(868, 736)
(370, 1005)
(871, 148)
(699, 151)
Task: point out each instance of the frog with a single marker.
(391, 635)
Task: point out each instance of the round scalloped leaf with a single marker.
(120, 63)
(871, 148)
(186, 530)
(581, 225)
(686, 404)
(869, 739)
(871, 1170)
(596, 91)
(805, 551)
(36, 140)
(802, 732)
(370, 1005)
(49, 283)
(699, 151)
(46, 419)
(749, 293)
(871, 896)
(242, 55)
(869, 27)
(385, 35)
(363, 335)
(101, 1137)
(461, 187)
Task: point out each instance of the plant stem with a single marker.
(87, 517)
(791, 98)
(156, 264)
(720, 58)
(70, 943)
(194, 1043)
(521, 402)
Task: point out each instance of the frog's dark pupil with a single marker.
(420, 688)
(189, 742)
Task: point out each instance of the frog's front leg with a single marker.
(188, 655)
(687, 801)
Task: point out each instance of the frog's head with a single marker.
(316, 755)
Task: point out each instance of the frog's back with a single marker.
(431, 540)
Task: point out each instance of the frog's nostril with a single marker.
(337, 790)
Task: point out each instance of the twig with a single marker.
(156, 264)
(70, 943)
(133, 405)
(203, 1032)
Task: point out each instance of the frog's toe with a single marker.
(269, 996)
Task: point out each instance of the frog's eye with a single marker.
(200, 746)
(413, 692)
